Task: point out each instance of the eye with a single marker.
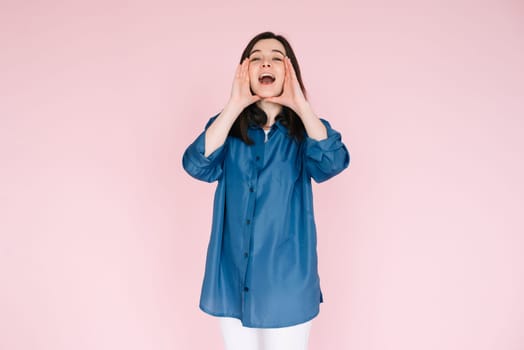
(254, 59)
(277, 59)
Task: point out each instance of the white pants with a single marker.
(238, 337)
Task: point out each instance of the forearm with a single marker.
(217, 132)
(314, 127)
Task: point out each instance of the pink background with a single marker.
(103, 235)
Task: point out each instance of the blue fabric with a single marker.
(261, 264)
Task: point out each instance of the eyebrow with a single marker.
(274, 50)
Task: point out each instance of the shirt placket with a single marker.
(258, 161)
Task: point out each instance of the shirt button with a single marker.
(245, 254)
(257, 158)
(248, 221)
(251, 189)
(246, 289)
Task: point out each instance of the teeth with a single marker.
(266, 75)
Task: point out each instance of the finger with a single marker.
(246, 70)
(274, 99)
(246, 78)
(242, 69)
(291, 69)
(288, 73)
(238, 70)
(254, 98)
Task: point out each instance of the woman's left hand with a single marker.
(292, 95)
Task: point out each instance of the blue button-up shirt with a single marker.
(261, 264)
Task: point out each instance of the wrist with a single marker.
(233, 108)
(304, 109)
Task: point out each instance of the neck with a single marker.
(271, 109)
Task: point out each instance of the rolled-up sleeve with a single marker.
(200, 167)
(325, 158)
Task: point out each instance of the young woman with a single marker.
(264, 148)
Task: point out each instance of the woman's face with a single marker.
(266, 68)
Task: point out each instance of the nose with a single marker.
(266, 64)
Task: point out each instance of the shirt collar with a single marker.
(278, 124)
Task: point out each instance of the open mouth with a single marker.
(266, 78)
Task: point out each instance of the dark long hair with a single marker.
(253, 114)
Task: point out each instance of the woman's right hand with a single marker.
(241, 96)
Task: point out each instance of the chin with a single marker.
(268, 93)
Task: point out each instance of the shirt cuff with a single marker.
(315, 149)
(198, 165)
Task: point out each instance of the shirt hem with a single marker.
(253, 325)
